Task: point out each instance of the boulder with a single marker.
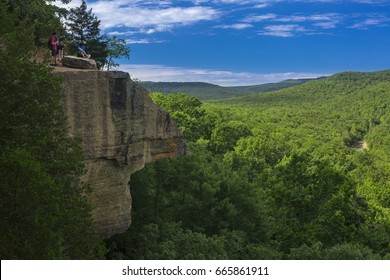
(79, 62)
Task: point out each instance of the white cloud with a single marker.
(160, 73)
(237, 26)
(375, 2)
(309, 24)
(138, 41)
(288, 30)
(295, 24)
(261, 5)
(326, 20)
(372, 20)
(72, 4)
(326, 24)
(112, 14)
(259, 18)
(326, 17)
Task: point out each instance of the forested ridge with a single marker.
(206, 91)
(273, 175)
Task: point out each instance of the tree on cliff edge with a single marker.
(85, 26)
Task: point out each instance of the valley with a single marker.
(274, 175)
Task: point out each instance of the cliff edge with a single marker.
(122, 129)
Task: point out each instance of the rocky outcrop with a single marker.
(122, 129)
(78, 62)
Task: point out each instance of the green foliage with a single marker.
(343, 251)
(213, 212)
(226, 135)
(116, 48)
(315, 203)
(30, 219)
(188, 113)
(350, 251)
(83, 24)
(304, 252)
(263, 150)
(40, 18)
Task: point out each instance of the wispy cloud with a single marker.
(271, 24)
(260, 18)
(160, 73)
(138, 41)
(237, 26)
(308, 24)
(374, 2)
(265, 3)
(149, 19)
(287, 30)
(373, 20)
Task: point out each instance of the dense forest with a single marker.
(300, 173)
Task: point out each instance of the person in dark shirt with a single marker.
(61, 47)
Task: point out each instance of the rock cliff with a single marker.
(122, 129)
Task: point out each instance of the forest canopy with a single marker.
(300, 173)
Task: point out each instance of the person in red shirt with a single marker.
(54, 44)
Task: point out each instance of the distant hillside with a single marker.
(340, 85)
(206, 91)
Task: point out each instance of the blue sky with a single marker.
(232, 42)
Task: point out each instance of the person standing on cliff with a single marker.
(54, 51)
(61, 46)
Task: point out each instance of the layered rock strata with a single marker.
(122, 129)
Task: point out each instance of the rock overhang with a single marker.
(121, 129)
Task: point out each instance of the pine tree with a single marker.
(85, 26)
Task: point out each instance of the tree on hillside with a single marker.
(85, 26)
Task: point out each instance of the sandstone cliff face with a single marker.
(122, 129)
